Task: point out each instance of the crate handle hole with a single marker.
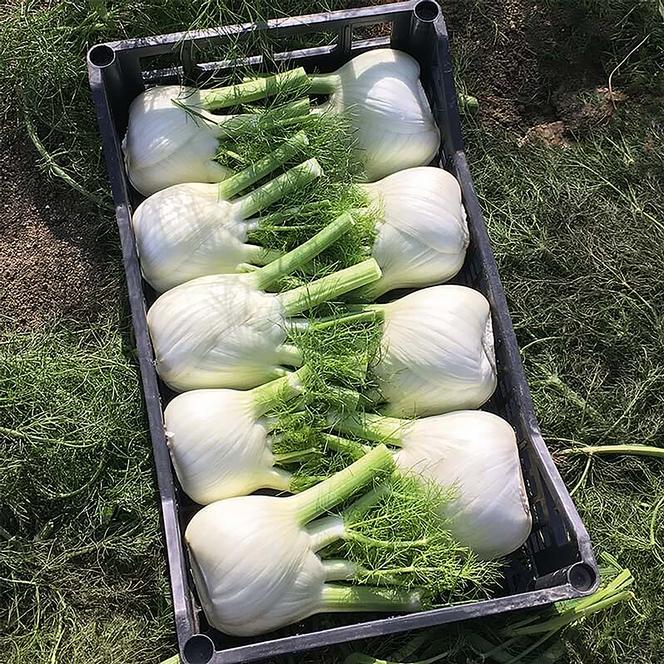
(427, 11)
(581, 576)
(101, 55)
(198, 649)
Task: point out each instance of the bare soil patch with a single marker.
(54, 262)
(508, 56)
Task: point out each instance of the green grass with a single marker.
(579, 235)
(81, 565)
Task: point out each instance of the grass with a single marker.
(81, 571)
(580, 243)
(578, 232)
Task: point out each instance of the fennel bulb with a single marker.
(172, 137)
(226, 331)
(219, 439)
(381, 92)
(245, 592)
(436, 350)
(192, 230)
(474, 451)
(422, 235)
(392, 535)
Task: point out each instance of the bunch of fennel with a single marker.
(258, 410)
(389, 543)
(192, 230)
(226, 330)
(173, 133)
(225, 443)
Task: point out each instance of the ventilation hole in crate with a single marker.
(102, 55)
(199, 649)
(582, 576)
(427, 11)
(162, 69)
(382, 29)
(260, 52)
(314, 39)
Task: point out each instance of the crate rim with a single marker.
(308, 22)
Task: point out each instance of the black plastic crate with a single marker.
(557, 561)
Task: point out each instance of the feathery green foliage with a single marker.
(399, 536)
(81, 569)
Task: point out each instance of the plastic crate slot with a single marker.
(382, 29)
(160, 62)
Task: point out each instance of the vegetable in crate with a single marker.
(390, 537)
(436, 350)
(473, 450)
(422, 234)
(223, 444)
(192, 230)
(226, 331)
(173, 137)
(220, 441)
(381, 93)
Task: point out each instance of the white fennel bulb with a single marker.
(436, 350)
(422, 235)
(255, 559)
(165, 144)
(219, 439)
(173, 137)
(381, 92)
(226, 331)
(474, 451)
(252, 580)
(218, 331)
(191, 230)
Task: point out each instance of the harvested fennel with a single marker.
(223, 444)
(422, 234)
(244, 592)
(172, 138)
(436, 349)
(227, 331)
(193, 230)
(474, 451)
(220, 441)
(381, 94)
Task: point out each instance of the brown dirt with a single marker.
(53, 263)
(551, 133)
(505, 51)
(591, 109)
